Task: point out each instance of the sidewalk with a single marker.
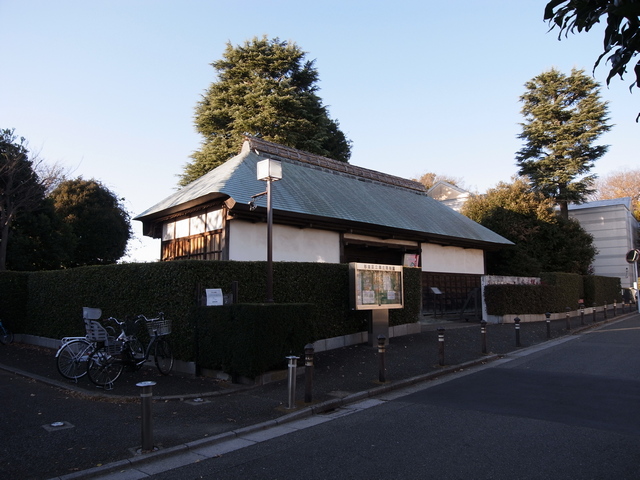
(101, 427)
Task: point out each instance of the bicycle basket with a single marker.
(114, 347)
(161, 327)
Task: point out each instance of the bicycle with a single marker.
(106, 363)
(6, 337)
(72, 356)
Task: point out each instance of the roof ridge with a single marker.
(318, 160)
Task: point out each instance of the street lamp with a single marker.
(269, 171)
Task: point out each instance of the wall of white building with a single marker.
(438, 258)
(248, 242)
(613, 230)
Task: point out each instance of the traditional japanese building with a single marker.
(323, 211)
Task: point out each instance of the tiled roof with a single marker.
(319, 187)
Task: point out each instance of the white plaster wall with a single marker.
(248, 242)
(437, 258)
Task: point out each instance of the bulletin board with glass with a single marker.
(375, 286)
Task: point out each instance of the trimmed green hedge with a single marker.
(49, 304)
(13, 299)
(249, 339)
(556, 292)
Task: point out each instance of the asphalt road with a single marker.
(570, 411)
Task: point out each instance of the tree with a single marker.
(621, 36)
(264, 88)
(40, 240)
(429, 179)
(99, 222)
(20, 188)
(564, 116)
(623, 183)
(544, 242)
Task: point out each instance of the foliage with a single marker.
(39, 240)
(13, 301)
(557, 292)
(621, 35)
(264, 88)
(56, 298)
(622, 183)
(429, 179)
(564, 116)
(544, 242)
(250, 339)
(98, 221)
(20, 188)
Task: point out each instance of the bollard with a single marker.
(594, 312)
(308, 372)
(292, 381)
(381, 351)
(548, 315)
(483, 333)
(582, 314)
(614, 307)
(605, 310)
(517, 322)
(146, 398)
(568, 317)
(441, 345)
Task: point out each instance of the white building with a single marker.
(615, 232)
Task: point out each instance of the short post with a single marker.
(146, 399)
(548, 315)
(615, 305)
(582, 314)
(483, 333)
(594, 312)
(308, 372)
(381, 351)
(441, 345)
(605, 310)
(292, 380)
(568, 316)
(517, 322)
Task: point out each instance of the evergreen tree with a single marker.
(564, 116)
(544, 242)
(20, 187)
(99, 222)
(264, 88)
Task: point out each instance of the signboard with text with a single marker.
(375, 286)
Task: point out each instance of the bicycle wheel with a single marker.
(6, 337)
(163, 356)
(103, 368)
(71, 359)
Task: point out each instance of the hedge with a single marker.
(49, 304)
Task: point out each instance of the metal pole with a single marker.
(292, 381)
(582, 314)
(568, 317)
(146, 398)
(381, 352)
(594, 312)
(483, 332)
(517, 322)
(308, 373)
(269, 245)
(548, 315)
(441, 345)
(605, 310)
(615, 305)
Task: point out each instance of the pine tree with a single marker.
(564, 116)
(264, 88)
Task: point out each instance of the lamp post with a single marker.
(270, 171)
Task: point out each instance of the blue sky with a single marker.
(108, 88)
